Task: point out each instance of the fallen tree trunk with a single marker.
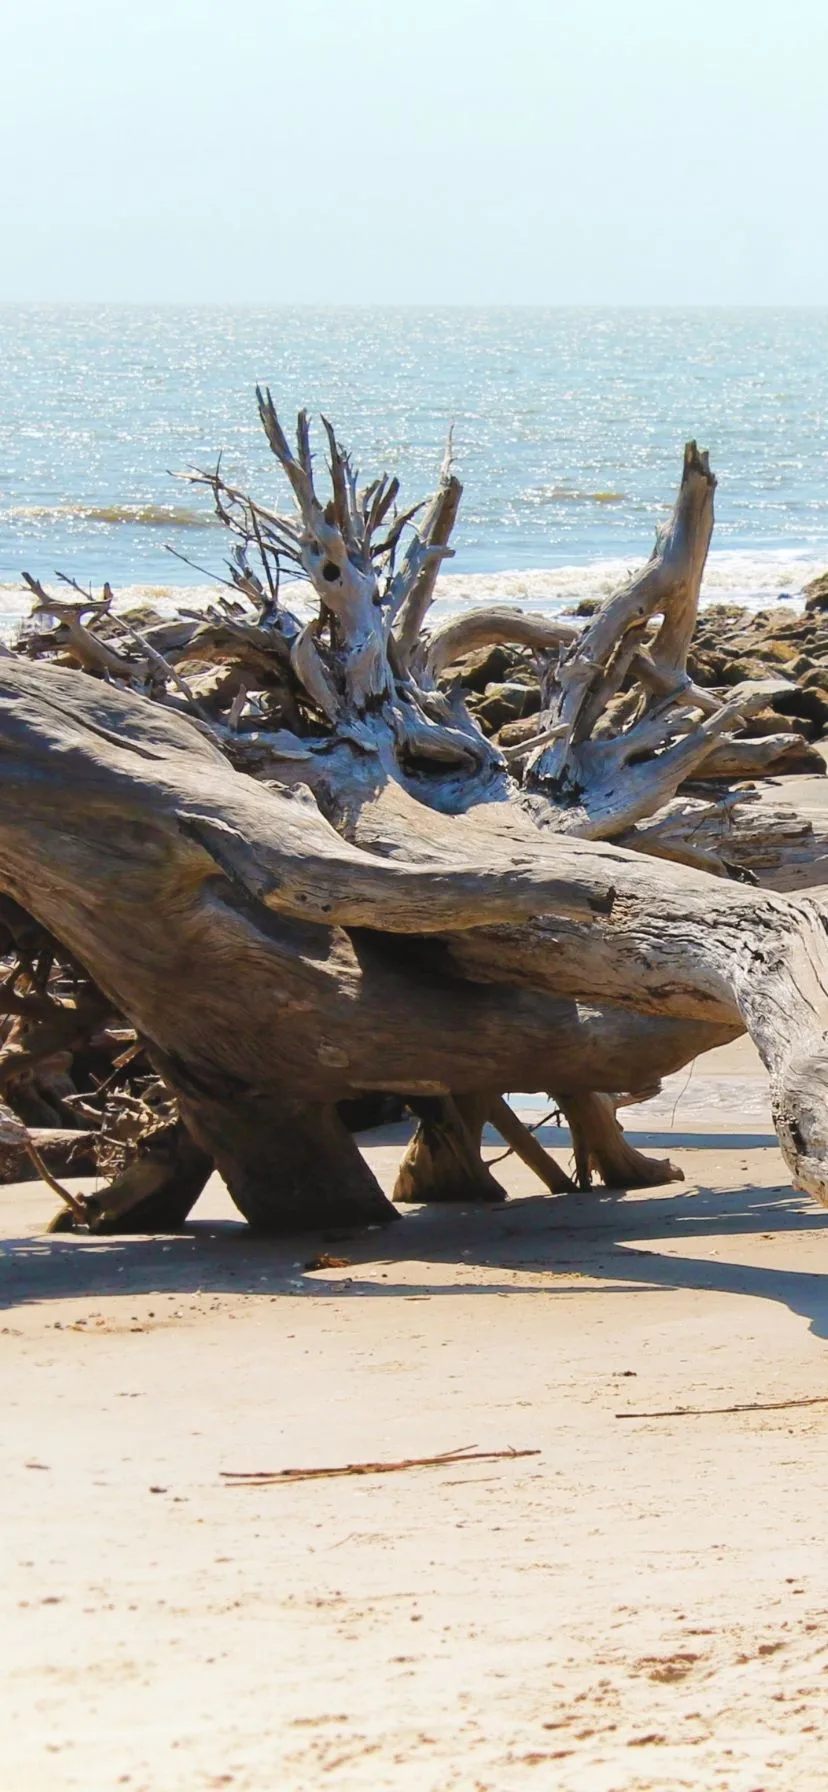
(379, 906)
(274, 969)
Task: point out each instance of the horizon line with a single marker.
(180, 304)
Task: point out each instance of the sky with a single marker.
(543, 152)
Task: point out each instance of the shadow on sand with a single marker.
(551, 1240)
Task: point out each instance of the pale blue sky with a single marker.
(448, 151)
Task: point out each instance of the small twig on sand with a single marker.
(695, 1412)
(267, 1477)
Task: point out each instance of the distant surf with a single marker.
(756, 581)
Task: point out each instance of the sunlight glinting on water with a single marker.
(568, 430)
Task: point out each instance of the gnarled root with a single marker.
(601, 1149)
(444, 1160)
(288, 1167)
(157, 1191)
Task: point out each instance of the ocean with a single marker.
(568, 434)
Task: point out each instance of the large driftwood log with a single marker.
(285, 852)
(272, 968)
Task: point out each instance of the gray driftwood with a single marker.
(283, 850)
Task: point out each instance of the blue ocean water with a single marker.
(568, 430)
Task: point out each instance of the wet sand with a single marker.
(641, 1604)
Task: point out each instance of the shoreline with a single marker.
(752, 580)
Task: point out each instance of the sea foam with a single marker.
(757, 581)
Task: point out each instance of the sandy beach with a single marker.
(642, 1603)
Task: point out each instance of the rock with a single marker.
(739, 671)
(808, 705)
(721, 616)
(780, 653)
(816, 593)
(488, 665)
(506, 703)
(707, 667)
(586, 606)
(513, 734)
(525, 674)
(767, 722)
(802, 761)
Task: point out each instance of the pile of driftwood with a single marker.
(269, 866)
(78, 1095)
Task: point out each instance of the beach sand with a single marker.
(641, 1604)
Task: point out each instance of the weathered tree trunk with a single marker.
(63, 1152)
(156, 1191)
(380, 906)
(444, 1162)
(274, 969)
(600, 1147)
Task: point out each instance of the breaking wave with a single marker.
(147, 516)
(732, 576)
(565, 494)
(757, 581)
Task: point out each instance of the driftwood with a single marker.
(288, 858)
(67, 1056)
(16, 1137)
(282, 1477)
(62, 1150)
(706, 1412)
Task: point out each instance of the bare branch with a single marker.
(93, 654)
(436, 529)
(308, 667)
(342, 511)
(481, 628)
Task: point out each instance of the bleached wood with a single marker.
(668, 585)
(601, 1150)
(104, 791)
(598, 786)
(481, 628)
(412, 598)
(385, 909)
